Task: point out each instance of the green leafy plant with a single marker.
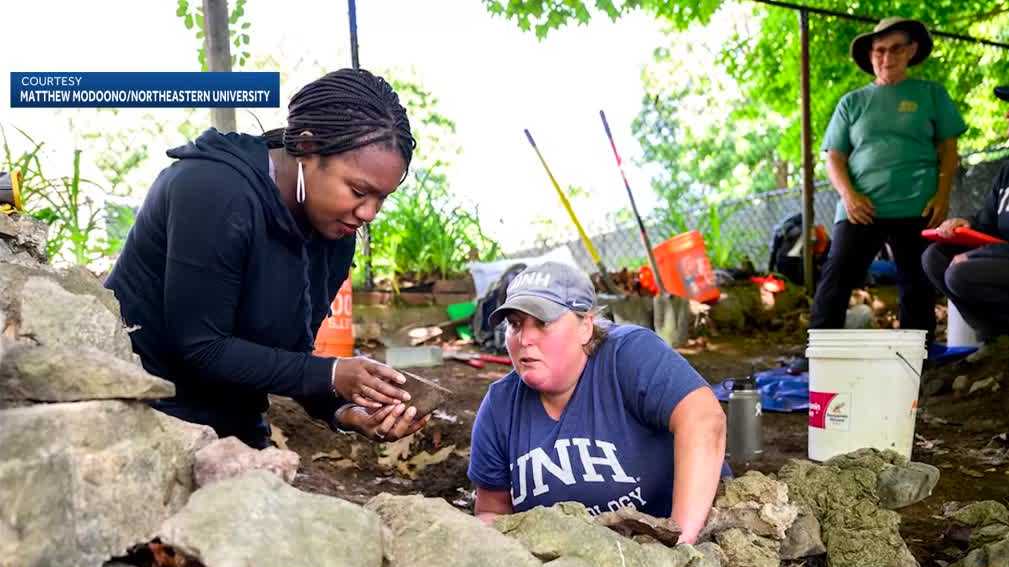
(420, 235)
(85, 222)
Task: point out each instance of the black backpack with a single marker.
(486, 337)
(784, 238)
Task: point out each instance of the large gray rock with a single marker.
(902, 486)
(258, 520)
(803, 538)
(567, 530)
(24, 240)
(60, 374)
(866, 535)
(229, 457)
(842, 494)
(41, 308)
(988, 534)
(977, 514)
(429, 531)
(755, 503)
(714, 554)
(744, 549)
(630, 522)
(568, 562)
(991, 555)
(82, 482)
(753, 487)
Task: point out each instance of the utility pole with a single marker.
(369, 277)
(807, 161)
(217, 44)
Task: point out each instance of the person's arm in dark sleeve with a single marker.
(986, 219)
(204, 274)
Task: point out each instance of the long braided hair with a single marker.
(342, 111)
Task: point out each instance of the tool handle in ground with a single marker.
(593, 253)
(634, 207)
(606, 125)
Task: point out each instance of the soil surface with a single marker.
(951, 430)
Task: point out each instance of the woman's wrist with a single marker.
(340, 417)
(332, 375)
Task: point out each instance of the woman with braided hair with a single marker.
(241, 245)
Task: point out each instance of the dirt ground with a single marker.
(951, 431)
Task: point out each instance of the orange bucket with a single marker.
(685, 269)
(336, 334)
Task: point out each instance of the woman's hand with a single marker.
(936, 209)
(945, 229)
(389, 423)
(368, 383)
(859, 208)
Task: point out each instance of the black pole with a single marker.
(807, 161)
(355, 62)
(352, 9)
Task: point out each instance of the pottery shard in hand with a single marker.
(425, 395)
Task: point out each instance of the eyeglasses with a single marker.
(892, 50)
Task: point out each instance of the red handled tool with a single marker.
(476, 359)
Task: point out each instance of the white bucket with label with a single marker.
(863, 389)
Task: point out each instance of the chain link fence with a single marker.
(746, 226)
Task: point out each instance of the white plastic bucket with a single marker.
(863, 390)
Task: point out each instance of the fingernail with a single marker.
(400, 407)
(406, 396)
(412, 411)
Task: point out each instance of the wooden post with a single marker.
(807, 162)
(217, 43)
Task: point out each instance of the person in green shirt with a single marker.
(891, 155)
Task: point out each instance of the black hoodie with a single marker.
(993, 218)
(227, 290)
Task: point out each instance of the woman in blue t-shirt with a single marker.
(587, 414)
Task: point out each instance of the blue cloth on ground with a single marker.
(939, 354)
(779, 390)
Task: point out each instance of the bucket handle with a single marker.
(913, 371)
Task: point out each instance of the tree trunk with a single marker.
(218, 48)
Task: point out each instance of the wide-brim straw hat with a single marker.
(861, 46)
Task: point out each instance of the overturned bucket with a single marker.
(863, 390)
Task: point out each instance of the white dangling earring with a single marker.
(301, 182)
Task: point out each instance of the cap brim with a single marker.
(542, 309)
(1002, 92)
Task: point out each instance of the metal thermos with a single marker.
(745, 439)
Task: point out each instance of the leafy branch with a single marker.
(238, 30)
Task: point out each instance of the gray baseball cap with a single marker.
(547, 291)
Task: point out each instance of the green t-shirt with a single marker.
(890, 134)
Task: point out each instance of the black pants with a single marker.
(979, 287)
(852, 249)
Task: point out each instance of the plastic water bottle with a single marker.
(746, 438)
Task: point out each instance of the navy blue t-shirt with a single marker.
(611, 447)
